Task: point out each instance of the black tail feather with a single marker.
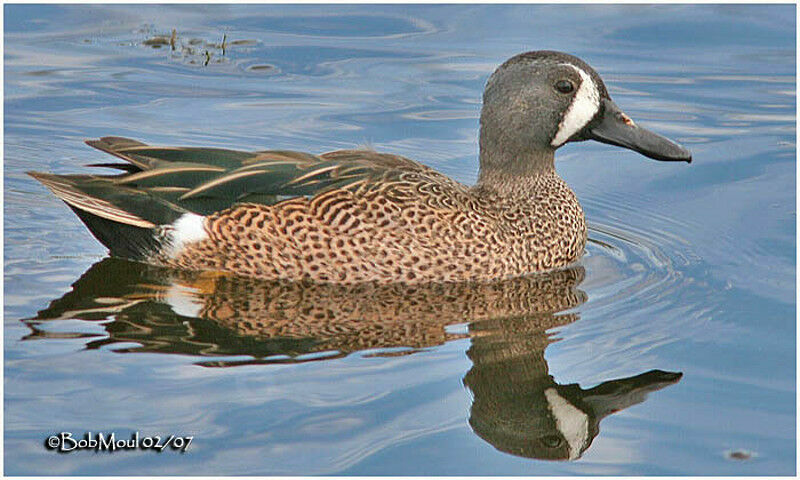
(122, 240)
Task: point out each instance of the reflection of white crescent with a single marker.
(571, 422)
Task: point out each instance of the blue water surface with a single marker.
(690, 268)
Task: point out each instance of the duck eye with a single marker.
(551, 441)
(565, 86)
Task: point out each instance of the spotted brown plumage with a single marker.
(356, 216)
(407, 227)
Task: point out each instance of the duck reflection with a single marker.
(517, 405)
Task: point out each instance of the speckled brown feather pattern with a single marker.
(410, 225)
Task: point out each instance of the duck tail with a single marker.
(125, 220)
(122, 240)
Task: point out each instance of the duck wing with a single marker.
(177, 180)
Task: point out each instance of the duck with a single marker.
(354, 216)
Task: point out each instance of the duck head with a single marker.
(538, 101)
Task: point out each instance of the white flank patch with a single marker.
(184, 300)
(571, 422)
(584, 106)
(188, 228)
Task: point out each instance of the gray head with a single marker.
(537, 101)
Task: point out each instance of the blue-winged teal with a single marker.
(357, 215)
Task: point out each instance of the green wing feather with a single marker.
(205, 180)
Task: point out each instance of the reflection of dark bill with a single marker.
(517, 406)
(535, 417)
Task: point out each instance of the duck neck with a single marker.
(514, 175)
(512, 156)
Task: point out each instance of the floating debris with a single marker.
(157, 42)
(41, 73)
(740, 455)
(244, 43)
(197, 51)
(261, 68)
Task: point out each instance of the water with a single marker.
(690, 269)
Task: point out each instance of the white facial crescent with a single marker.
(583, 108)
